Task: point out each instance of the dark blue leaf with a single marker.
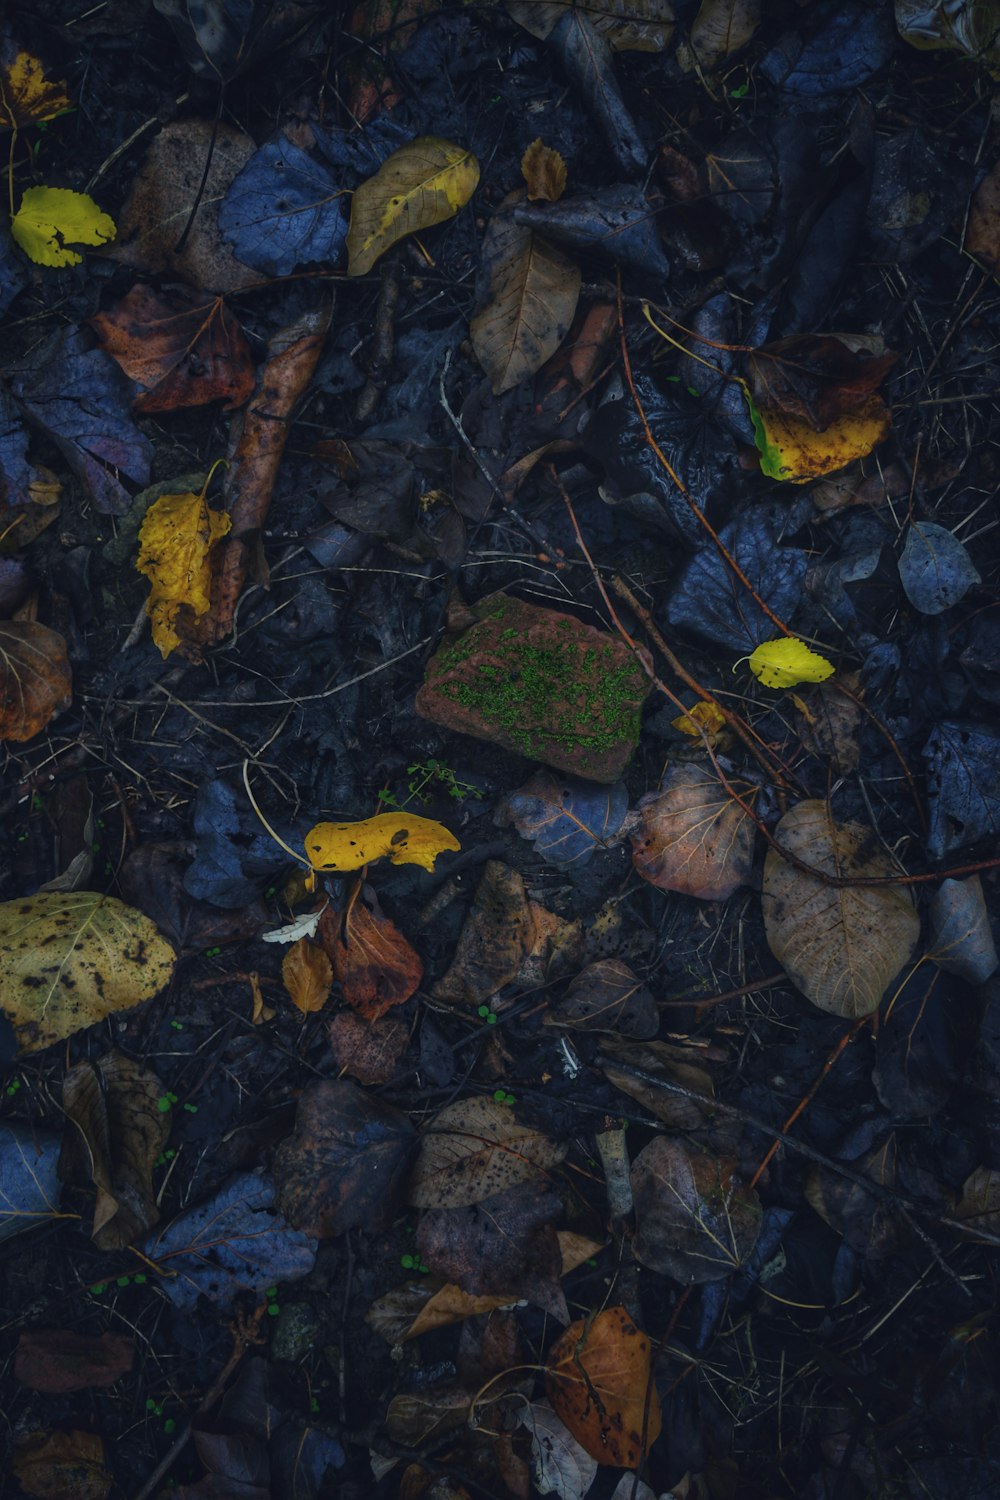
(235, 856)
(29, 1182)
(935, 569)
(13, 271)
(284, 210)
(567, 818)
(711, 601)
(836, 47)
(963, 786)
(16, 473)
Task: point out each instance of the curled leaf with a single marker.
(50, 219)
(402, 838)
(422, 184)
(544, 171)
(175, 544)
(703, 718)
(788, 661)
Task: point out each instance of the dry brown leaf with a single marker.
(544, 172)
(982, 234)
(369, 1050)
(828, 720)
(35, 678)
(607, 996)
(57, 1361)
(840, 945)
(694, 838)
(307, 975)
(672, 1063)
(599, 1380)
(475, 1148)
(61, 1465)
(497, 935)
(374, 964)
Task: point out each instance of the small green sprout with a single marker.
(489, 1016)
(166, 1101)
(98, 1289)
(414, 1263)
(177, 1025)
(190, 1109)
(212, 952)
(502, 1097)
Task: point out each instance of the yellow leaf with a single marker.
(791, 449)
(49, 219)
(307, 974)
(399, 837)
(26, 95)
(423, 183)
(704, 716)
(175, 543)
(785, 662)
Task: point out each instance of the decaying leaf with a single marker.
(599, 1380)
(566, 818)
(786, 662)
(26, 95)
(827, 719)
(57, 1465)
(372, 961)
(721, 28)
(696, 1221)
(791, 449)
(982, 234)
(475, 1148)
(423, 183)
(561, 1466)
(961, 939)
(68, 959)
(979, 1205)
(175, 554)
(703, 719)
(35, 678)
(870, 1222)
(418, 1307)
(369, 1050)
(607, 996)
(57, 1361)
(670, 1062)
(402, 838)
(307, 974)
(51, 219)
(694, 837)
(544, 172)
(840, 945)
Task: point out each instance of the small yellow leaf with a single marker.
(544, 171)
(707, 717)
(423, 183)
(175, 543)
(399, 837)
(26, 95)
(793, 450)
(785, 662)
(50, 219)
(307, 974)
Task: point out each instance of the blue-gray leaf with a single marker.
(961, 940)
(963, 786)
(935, 569)
(284, 210)
(566, 817)
(29, 1183)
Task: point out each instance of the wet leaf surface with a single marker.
(35, 678)
(935, 569)
(474, 1149)
(607, 996)
(284, 210)
(374, 964)
(566, 818)
(963, 786)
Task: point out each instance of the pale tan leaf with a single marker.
(840, 945)
(544, 172)
(722, 27)
(475, 1148)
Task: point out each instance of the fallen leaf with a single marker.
(693, 837)
(963, 785)
(696, 1221)
(968, 27)
(475, 1148)
(721, 28)
(70, 959)
(56, 1361)
(61, 1465)
(818, 377)
(369, 1050)
(982, 234)
(961, 939)
(121, 1132)
(35, 678)
(628, 25)
(345, 1164)
(793, 450)
(786, 662)
(869, 1222)
(671, 1063)
(616, 223)
(566, 818)
(402, 838)
(533, 292)
(26, 95)
(303, 926)
(979, 1205)
(284, 210)
(599, 1379)
(29, 1179)
(935, 569)
(701, 720)
(372, 961)
(175, 546)
(828, 719)
(423, 1306)
(418, 1417)
(307, 975)
(183, 350)
(607, 996)
(50, 219)
(559, 1464)
(544, 171)
(494, 940)
(839, 945)
(423, 183)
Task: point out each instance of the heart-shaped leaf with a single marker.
(696, 1220)
(475, 1148)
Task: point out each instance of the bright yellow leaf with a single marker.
(175, 544)
(50, 219)
(791, 449)
(423, 183)
(399, 837)
(26, 95)
(788, 661)
(704, 717)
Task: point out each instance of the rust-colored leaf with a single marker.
(184, 349)
(56, 1361)
(35, 678)
(817, 378)
(307, 975)
(694, 838)
(372, 961)
(599, 1379)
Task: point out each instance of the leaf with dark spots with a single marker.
(284, 210)
(346, 1162)
(963, 786)
(816, 377)
(81, 400)
(599, 1380)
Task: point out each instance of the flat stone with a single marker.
(541, 683)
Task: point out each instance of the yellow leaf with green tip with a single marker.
(399, 837)
(50, 219)
(788, 661)
(791, 449)
(423, 183)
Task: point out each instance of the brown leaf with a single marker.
(368, 1050)
(828, 721)
(57, 1361)
(475, 1148)
(345, 1163)
(418, 1307)
(696, 1221)
(607, 996)
(35, 678)
(599, 1380)
(506, 1243)
(418, 1417)
(307, 975)
(372, 961)
(840, 945)
(815, 377)
(672, 1063)
(982, 234)
(114, 1104)
(494, 940)
(185, 350)
(544, 172)
(979, 1206)
(871, 1223)
(694, 838)
(61, 1465)
(722, 27)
